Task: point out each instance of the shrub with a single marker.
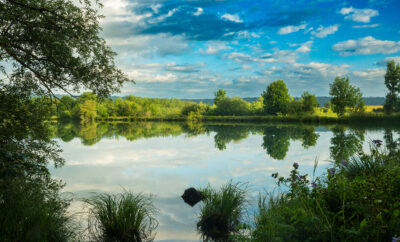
(231, 106)
(357, 200)
(121, 217)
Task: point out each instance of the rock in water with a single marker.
(191, 196)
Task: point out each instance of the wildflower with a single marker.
(302, 177)
(377, 142)
(313, 185)
(396, 239)
(344, 162)
(296, 165)
(331, 171)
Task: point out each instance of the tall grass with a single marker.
(221, 212)
(357, 200)
(122, 217)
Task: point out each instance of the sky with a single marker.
(192, 48)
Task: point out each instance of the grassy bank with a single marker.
(316, 119)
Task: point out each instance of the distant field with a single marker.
(370, 108)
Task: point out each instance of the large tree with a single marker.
(344, 95)
(392, 82)
(276, 98)
(56, 45)
(46, 46)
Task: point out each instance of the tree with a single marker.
(46, 45)
(309, 102)
(56, 45)
(219, 95)
(276, 98)
(232, 106)
(344, 95)
(392, 82)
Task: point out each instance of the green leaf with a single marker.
(363, 223)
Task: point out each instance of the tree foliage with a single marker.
(56, 44)
(276, 98)
(392, 82)
(219, 95)
(344, 95)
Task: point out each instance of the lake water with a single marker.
(166, 158)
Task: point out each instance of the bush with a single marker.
(221, 212)
(121, 217)
(231, 106)
(357, 200)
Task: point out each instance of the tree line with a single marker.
(275, 100)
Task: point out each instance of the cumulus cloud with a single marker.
(291, 28)
(359, 15)
(276, 56)
(322, 31)
(387, 59)
(214, 48)
(305, 47)
(367, 46)
(370, 73)
(148, 45)
(232, 17)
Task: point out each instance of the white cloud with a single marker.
(322, 31)
(387, 59)
(370, 73)
(198, 12)
(359, 15)
(365, 26)
(305, 47)
(291, 29)
(232, 17)
(277, 56)
(214, 48)
(367, 46)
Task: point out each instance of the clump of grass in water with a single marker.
(221, 212)
(122, 217)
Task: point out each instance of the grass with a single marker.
(221, 212)
(122, 217)
(357, 200)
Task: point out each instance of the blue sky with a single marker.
(191, 48)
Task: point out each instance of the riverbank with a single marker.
(315, 119)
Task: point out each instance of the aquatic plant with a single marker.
(121, 217)
(221, 212)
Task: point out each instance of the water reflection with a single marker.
(276, 139)
(166, 158)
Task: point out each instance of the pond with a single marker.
(166, 158)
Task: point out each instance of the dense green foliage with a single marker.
(121, 217)
(276, 98)
(392, 82)
(44, 46)
(56, 44)
(344, 95)
(357, 200)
